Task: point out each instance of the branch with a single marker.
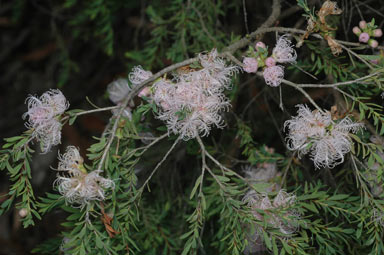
(239, 44)
(276, 8)
(338, 83)
(160, 163)
(110, 139)
(221, 166)
(92, 111)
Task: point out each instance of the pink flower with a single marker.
(138, 75)
(273, 75)
(375, 61)
(373, 43)
(48, 134)
(260, 45)
(363, 24)
(145, 92)
(283, 51)
(377, 32)
(77, 186)
(118, 90)
(191, 103)
(43, 116)
(364, 37)
(250, 65)
(270, 62)
(356, 31)
(315, 132)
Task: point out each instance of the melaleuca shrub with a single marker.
(207, 139)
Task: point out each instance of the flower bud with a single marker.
(363, 24)
(373, 43)
(23, 212)
(364, 37)
(260, 45)
(377, 32)
(270, 62)
(356, 31)
(144, 92)
(375, 61)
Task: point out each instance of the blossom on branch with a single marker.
(138, 75)
(315, 132)
(77, 185)
(191, 104)
(44, 117)
(283, 51)
(274, 75)
(367, 31)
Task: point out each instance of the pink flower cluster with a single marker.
(277, 213)
(191, 103)
(282, 53)
(44, 117)
(316, 132)
(77, 186)
(367, 30)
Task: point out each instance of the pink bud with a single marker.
(356, 31)
(364, 37)
(144, 92)
(270, 62)
(375, 61)
(23, 212)
(250, 65)
(363, 24)
(373, 43)
(260, 45)
(377, 32)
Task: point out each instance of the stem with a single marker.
(92, 111)
(160, 163)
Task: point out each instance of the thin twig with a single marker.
(245, 17)
(285, 172)
(221, 166)
(213, 39)
(110, 139)
(276, 8)
(338, 83)
(145, 148)
(357, 56)
(203, 162)
(92, 111)
(160, 163)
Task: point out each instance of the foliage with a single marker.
(189, 197)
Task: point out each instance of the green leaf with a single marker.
(339, 197)
(267, 240)
(310, 207)
(197, 184)
(99, 243)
